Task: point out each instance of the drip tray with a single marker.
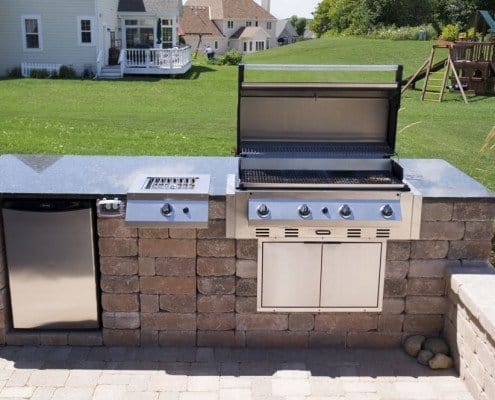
(261, 178)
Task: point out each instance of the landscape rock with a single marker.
(441, 361)
(424, 356)
(436, 345)
(413, 344)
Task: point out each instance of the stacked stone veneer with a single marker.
(190, 287)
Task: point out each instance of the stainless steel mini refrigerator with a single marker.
(51, 264)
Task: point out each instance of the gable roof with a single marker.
(149, 6)
(285, 25)
(196, 21)
(248, 32)
(233, 9)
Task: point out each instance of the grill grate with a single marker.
(317, 177)
(329, 149)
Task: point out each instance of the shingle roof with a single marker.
(283, 24)
(234, 9)
(247, 32)
(150, 6)
(196, 20)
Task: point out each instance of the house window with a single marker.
(260, 46)
(216, 44)
(245, 46)
(250, 46)
(230, 24)
(31, 29)
(267, 44)
(85, 32)
(269, 25)
(255, 23)
(139, 33)
(167, 33)
(249, 23)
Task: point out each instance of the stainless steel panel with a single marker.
(313, 119)
(351, 275)
(51, 263)
(147, 213)
(288, 210)
(290, 275)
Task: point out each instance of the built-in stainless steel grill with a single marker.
(317, 186)
(320, 155)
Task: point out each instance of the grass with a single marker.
(196, 114)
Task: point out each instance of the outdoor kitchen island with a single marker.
(196, 287)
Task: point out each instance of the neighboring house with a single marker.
(199, 30)
(286, 33)
(308, 34)
(244, 24)
(79, 33)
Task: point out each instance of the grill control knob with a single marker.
(263, 211)
(304, 211)
(345, 211)
(185, 210)
(387, 211)
(324, 210)
(167, 210)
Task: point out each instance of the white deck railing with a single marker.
(157, 58)
(27, 67)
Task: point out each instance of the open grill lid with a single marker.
(327, 120)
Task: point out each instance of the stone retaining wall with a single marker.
(190, 287)
(470, 327)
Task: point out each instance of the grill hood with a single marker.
(348, 120)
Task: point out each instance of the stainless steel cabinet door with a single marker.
(291, 275)
(351, 275)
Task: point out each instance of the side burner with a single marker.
(168, 201)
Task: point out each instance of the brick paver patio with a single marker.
(220, 374)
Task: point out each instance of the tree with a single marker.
(321, 20)
(300, 26)
(293, 20)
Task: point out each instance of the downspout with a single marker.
(97, 22)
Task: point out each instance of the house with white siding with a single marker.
(138, 36)
(244, 25)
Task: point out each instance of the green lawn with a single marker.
(196, 114)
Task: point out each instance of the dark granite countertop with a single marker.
(91, 176)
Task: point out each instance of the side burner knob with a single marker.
(387, 211)
(345, 211)
(167, 210)
(304, 211)
(263, 211)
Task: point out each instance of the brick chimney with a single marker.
(266, 4)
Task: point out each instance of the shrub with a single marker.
(88, 73)
(450, 32)
(232, 57)
(39, 74)
(14, 73)
(54, 74)
(405, 33)
(218, 60)
(67, 72)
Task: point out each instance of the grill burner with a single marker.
(253, 177)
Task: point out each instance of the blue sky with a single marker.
(286, 8)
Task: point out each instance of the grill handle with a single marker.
(302, 67)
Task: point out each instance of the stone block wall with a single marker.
(470, 327)
(194, 287)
